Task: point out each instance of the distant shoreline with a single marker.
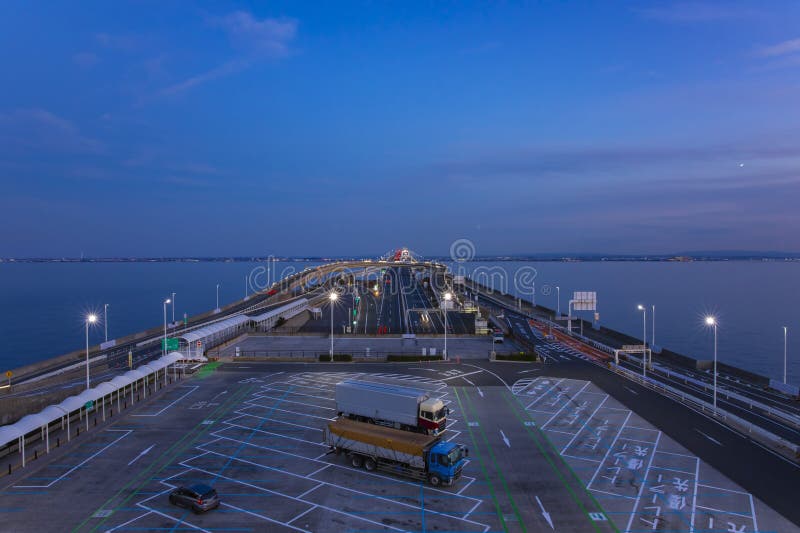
(485, 259)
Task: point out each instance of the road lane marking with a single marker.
(545, 514)
(630, 390)
(709, 437)
(141, 454)
(505, 439)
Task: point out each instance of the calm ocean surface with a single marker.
(43, 304)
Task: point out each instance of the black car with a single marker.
(199, 498)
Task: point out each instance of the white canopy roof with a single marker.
(29, 423)
(70, 404)
(51, 413)
(212, 329)
(9, 433)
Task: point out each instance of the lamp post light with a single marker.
(105, 319)
(643, 309)
(653, 336)
(332, 297)
(91, 319)
(558, 303)
(447, 297)
(785, 335)
(712, 322)
(166, 303)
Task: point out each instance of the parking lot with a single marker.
(643, 479)
(253, 431)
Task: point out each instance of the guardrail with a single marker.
(755, 431)
(775, 413)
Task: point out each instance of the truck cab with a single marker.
(445, 462)
(433, 416)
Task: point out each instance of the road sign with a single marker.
(171, 344)
(88, 406)
(633, 348)
(199, 344)
(9, 374)
(584, 301)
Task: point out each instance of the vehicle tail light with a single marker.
(199, 502)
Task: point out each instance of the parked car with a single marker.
(199, 498)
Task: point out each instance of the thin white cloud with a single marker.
(265, 37)
(256, 39)
(226, 69)
(780, 49)
(42, 130)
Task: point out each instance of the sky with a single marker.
(152, 128)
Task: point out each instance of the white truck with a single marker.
(392, 405)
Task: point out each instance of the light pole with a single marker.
(643, 309)
(558, 303)
(105, 320)
(785, 335)
(217, 307)
(333, 297)
(711, 321)
(447, 297)
(173, 307)
(166, 303)
(653, 336)
(91, 319)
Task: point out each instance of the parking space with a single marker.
(642, 478)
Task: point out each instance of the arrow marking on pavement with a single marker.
(143, 453)
(505, 439)
(480, 391)
(218, 395)
(545, 513)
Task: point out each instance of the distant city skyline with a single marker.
(196, 129)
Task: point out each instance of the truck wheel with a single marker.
(435, 480)
(357, 461)
(369, 464)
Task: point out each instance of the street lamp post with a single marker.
(91, 319)
(447, 297)
(653, 336)
(785, 335)
(711, 321)
(217, 307)
(333, 297)
(105, 319)
(166, 303)
(173, 307)
(558, 303)
(643, 309)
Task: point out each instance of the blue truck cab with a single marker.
(445, 462)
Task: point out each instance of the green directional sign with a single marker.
(89, 405)
(172, 344)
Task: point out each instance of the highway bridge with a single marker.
(575, 442)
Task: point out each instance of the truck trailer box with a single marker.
(387, 443)
(379, 402)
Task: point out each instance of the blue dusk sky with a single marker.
(150, 128)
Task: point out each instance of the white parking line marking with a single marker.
(68, 472)
(194, 388)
